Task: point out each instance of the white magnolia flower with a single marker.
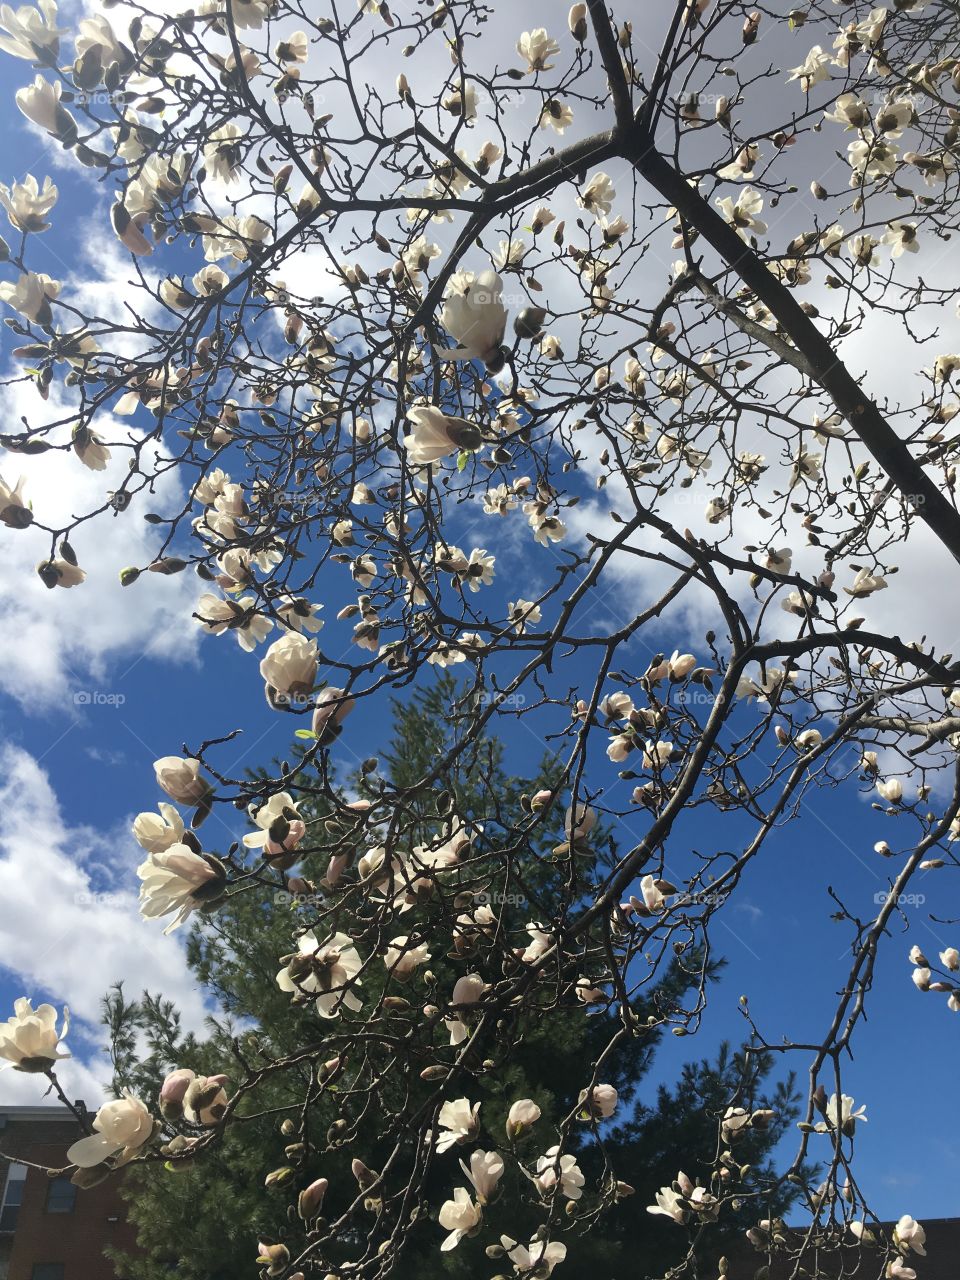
(485, 1171)
(670, 1204)
(459, 1216)
(122, 1126)
(290, 664)
(577, 22)
(865, 583)
(156, 832)
(459, 1120)
(950, 959)
(32, 33)
(742, 213)
(177, 879)
(908, 1234)
(40, 102)
(436, 434)
(554, 1170)
(537, 47)
(814, 68)
(26, 205)
(522, 614)
(600, 1102)
(891, 790)
(31, 296)
(539, 1257)
(598, 195)
(14, 512)
(902, 238)
(839, 1114)
(29, 1040)
(89, 448)
(180, 779)
(742, 166)
(403, 957)
(462, 103)
(555, 115)
(683, 1200)
(328, 971)
(475, 316)
(240, 616)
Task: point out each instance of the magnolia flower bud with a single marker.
(577, 22)
(522, 1115)
(310, 1200)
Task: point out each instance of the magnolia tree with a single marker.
(378, 324)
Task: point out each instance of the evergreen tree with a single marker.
(234, 954)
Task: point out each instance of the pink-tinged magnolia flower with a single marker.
(330, 710)
(459, 1121)
(310, 1200)
(281, 827)
(178, 880)
(180, 779)
(172, 1091)
(327, 970)
(122, 1128)
(29, 1040)
(205, 1100)
(460, 1216)
(466, 990)
(579, 827)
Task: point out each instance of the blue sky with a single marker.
(119, 680)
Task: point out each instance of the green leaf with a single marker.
(304, 733)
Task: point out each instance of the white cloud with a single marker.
(62, 937)
(56, 641)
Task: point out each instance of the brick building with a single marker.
(50, 1230)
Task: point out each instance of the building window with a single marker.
(12, 1196)
(47, 1271)
(61, 1196)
